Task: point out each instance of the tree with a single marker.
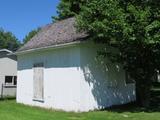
(68, 8)
(132, 27)
(8, 41)
(30, 35)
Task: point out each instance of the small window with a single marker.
(15, 80)
(11, 80)
(156, 76)
(128, 79)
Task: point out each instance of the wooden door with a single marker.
(38, 77)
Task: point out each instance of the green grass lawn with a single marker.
(10, 110)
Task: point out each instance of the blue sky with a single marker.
(22, 16)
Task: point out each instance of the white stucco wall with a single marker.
(8, 67)
(73, 80)
(102, 82)
(61, 78)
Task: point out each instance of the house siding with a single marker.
(8, 67)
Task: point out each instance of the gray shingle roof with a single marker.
(57, 33)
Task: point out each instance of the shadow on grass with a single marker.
(132, 107)
(7, 98)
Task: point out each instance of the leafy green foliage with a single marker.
(30, 35)
(8, 41)
(132, 26)
(68, 8)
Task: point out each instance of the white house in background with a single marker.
(58, 68)
(8, 73)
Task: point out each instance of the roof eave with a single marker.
(48, 47)
(5, 50)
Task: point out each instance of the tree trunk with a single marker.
(143, 92)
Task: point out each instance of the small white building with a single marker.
(59, 69)
(8, 73)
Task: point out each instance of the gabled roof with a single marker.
(60, 32)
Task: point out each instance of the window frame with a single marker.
(128, 79)
(13, 81)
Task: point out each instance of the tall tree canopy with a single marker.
(8, 41)
(131, 26)
(30, 35)
(68, 8)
